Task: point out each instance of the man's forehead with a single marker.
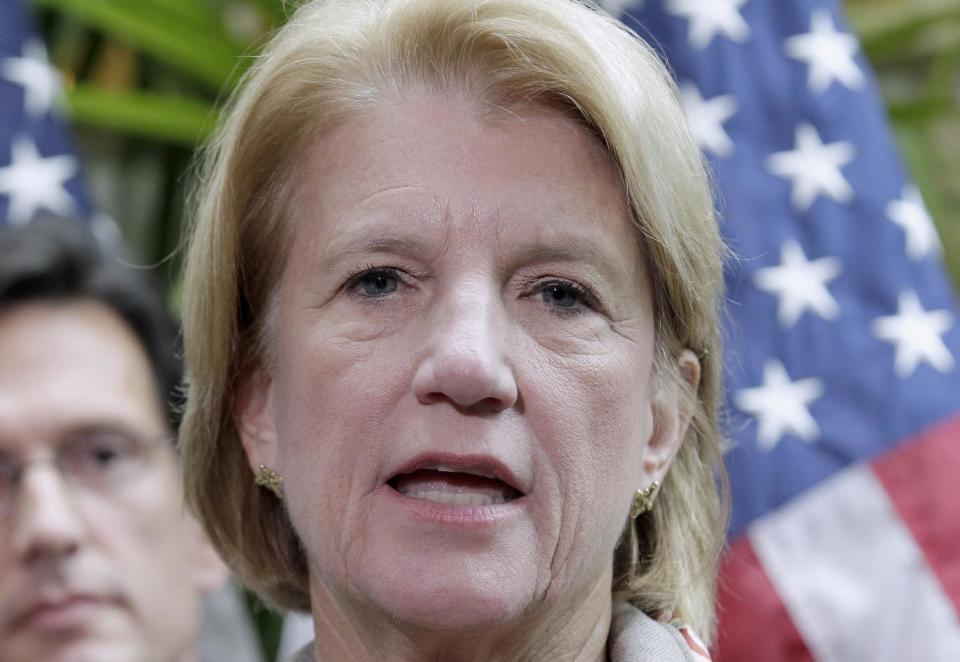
(64, 366)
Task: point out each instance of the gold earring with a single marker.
(643, 500)
(270, 479)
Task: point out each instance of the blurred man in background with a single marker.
(99, 561)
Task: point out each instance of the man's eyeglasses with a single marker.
(96, 460)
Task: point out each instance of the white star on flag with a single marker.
(706, 119)
(40, 81)
(827, 53)
(813, 168)
(781, 406)
(618, 7)
(709, 18)
(910, 214)
(33, 182)
(800, 285)
(915, 334)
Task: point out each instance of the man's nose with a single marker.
(47, 518)
(466, 360)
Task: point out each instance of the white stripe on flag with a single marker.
(853, 579)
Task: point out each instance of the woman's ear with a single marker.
(671, 417)
(253, 417)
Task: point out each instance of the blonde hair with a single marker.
(335, 58)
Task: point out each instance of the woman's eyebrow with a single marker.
(576, 249)
(358, 244)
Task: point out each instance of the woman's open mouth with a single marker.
(453, 487)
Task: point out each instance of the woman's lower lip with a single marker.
(455, 515)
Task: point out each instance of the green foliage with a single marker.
(915, 49)
(164, 117)
(268, 623)
(186, 35)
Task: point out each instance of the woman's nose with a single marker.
(47, 520)
(466, 362)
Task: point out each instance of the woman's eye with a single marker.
(564, 296)
(375, 283)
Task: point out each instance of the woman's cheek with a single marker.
(566, 334)
(334, 435)
(348, 320)
(593, 410)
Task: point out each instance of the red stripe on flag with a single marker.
(921, 477)
(753, 622)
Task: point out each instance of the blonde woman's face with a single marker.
(460, 396)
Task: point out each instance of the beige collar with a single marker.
(634, 637)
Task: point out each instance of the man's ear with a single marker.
(671, 418)
(253, 417)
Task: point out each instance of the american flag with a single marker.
(843, 341)
(39, 172)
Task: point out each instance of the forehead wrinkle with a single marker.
(406, 242)
(470, 222)
(368, 232)
(368, 198)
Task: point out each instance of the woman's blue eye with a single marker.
(375, 282)
(567, 297)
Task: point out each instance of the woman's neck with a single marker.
(575, 630)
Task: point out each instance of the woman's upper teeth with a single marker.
(460, 470)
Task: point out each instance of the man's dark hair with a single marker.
(60, 260)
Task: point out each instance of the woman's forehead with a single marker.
(533, 175)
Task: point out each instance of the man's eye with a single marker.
(374, 283)
(8, 470)
(103, 455)
(99, 452)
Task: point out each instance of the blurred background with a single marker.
(143, 80)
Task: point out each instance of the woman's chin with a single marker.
(449, 610)
(447, 596)
(446, 567)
